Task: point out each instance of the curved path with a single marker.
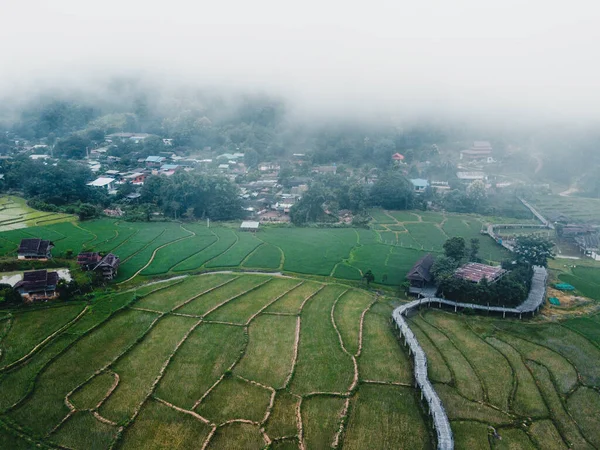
(441, 424)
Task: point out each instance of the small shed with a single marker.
(249, 225)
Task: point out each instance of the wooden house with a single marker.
(88, 260)
(420, 275)
(35, 249)
(108, 266)
(38, 285)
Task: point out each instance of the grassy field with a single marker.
(230, 361)
(15, 214)
(542, 374)
(389, 248)
(579, 209)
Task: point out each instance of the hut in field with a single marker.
(249, 225)
(420, 276)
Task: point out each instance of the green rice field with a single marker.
(258, 361)
(579, 209)
(389, 248)
(537, 385)
(15, 214)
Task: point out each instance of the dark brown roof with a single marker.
(37, 279)
(88, 258)
(421, 271)
(109, 260)
(35, 245)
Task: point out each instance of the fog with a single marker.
(509, 60)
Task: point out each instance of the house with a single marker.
(420, 275)
(108, 266)
(398, 157)
(36, 157)
(169, 167)
(35, 249)
(87, 260)
(325, 169)
(475, 272)
(470, 176)
(168, 142)
(154, 161)
(135, 178)
(419, 184)
(123, 137)
(481, 150)
(588, 243)
(248, 225)
(38, 285)
(269, 167)
(103, 182)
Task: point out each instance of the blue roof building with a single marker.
(420, 184)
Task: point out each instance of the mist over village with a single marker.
(299, 226)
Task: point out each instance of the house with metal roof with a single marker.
(107, 183)
(249, 225)
(419, 184)
(475, 272)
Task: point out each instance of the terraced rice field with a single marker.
(15, 214)
(535, 384)
(210, 361)
(579, 209)
(388, 249)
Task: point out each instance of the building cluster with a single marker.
(421, 283)
(41, 285)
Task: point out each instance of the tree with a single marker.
(368, 277)
(310, 206)
(383, 151)
(476, 192)
(8, 296)
(87, 211)
(443, 267)
(455, 248)
(251, 158)
(474, 250)
(533, 250)
(392, 191)
(72, 147)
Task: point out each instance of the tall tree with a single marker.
(392, 191)
(455, 248)
(534, 250)
(474, 250)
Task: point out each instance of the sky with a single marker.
(465, 57)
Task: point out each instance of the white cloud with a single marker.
(467, 56)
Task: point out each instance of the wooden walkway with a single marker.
(441, 424)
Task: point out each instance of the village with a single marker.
(269, 189)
